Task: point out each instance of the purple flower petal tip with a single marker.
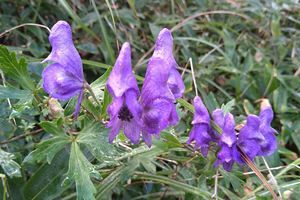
(121, 77)
(200, 132)
(257, 137)
(162, 86)
(125, 111)
(227, 141)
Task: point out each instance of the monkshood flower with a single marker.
(125, 110)
(200, 132)
(162, 86)
(227, 140)
(63, 77)
(257, 137)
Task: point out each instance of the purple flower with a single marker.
(200, 132)
(162, 86)
(124, 111)
(227, 140)
(257, 137)
(63, 78)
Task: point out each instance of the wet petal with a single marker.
(63, 49)
(175, 83)
(250, 147)
(155, 84)
(121, 77)
(201, 127)
(228, 136)
(59, 83)
(115, 126)
(132, 103)
(115, 106)
(218, 117)
(269, 144)
(147, 138)
(202, 138)
(157, 115)
(132, 131)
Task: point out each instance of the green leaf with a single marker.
(95, 137)
(10, 167)
(52, 128)
(14, 93)
(79, 171)
(231, 178)
(228, 107)
(109, 183)
(15, 69)
(45, 183)
(296, 133)
(48, 149)
(172, 140)
(106, 101)
(99, 84)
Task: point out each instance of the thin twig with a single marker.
(22, 25)
(193, 76)
(215, 194)
(21, 136)
(272, 177)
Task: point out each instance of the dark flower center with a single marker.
(124, 114)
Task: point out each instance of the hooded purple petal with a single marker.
(162, 86)
(121, 77)
(200, 132)
(227, 141)
(257, 137)
(157, 115)
(269, 144)
(59, 83)
(63, 79)
(124, 111)
(63, 49)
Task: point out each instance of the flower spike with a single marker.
(63, 78)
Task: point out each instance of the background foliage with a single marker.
(241, 50)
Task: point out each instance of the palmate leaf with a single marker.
(95, 137)
(48, 149)
(14, 93)
(45, 183)
(10, 167)
(79, 171)
(228, 107)
(14, 68)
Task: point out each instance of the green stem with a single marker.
(88, 87)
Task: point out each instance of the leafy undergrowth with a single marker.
(241, 51)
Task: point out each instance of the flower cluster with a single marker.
(155, 109)
(146, 113)
(256, 138)
(150, 111)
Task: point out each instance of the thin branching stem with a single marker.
(272, 177)
(22, 25)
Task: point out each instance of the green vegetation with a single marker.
(242, 51)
